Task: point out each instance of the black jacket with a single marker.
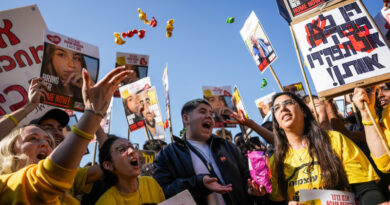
(175, 173)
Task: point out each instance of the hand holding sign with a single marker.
(37, 91)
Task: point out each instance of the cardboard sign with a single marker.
(151, 113)
(382, 20)
(182, 198)
(296, 88)
(257, 42)
(139, 63)
(106, 121)
(343, 49)
(21, 46)
(326, 197)
(131, 103)
(63, 60)
(220, 98)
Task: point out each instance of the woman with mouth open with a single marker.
(43, 176)
(121, 166)
(307, 157)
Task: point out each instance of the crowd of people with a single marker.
(39, 164)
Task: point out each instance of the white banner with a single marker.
(326, 197)
(342, 49)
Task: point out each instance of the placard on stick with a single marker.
(21, 46)
(63, 60)
(257, 42)
(296, 88)
(138, 63)
(343, 49)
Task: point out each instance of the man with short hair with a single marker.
(53, 121)
(210, 167)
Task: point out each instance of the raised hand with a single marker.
(211, 183)
(97, 97)
(37, 91)
(75, 79)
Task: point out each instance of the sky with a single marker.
(203, 50)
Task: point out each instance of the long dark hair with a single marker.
(109, 178)
(332, 172)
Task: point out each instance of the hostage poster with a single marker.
(343, 49)
(63, 60)
(326, 197)
(220, 98)
(131, 102)
(138, 63)
(257, 42)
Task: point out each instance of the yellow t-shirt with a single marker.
(383, 162)
(356, 165)
(149, 192)
(79, 185)
(42, 183)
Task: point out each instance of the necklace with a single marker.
(302, 156)
(207, 158)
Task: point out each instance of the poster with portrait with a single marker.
(264, 105)
(63, 60)
(138, 63)
(343, 51)
(382, 19)
(131, 102)
(296, 88)
(326, 197)
(151, 113)
(257, 42)
(238, 106)
(220, 98)
(21, 46)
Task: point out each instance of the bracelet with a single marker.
(95, 112)
(13, 119)
(81, 133)
(367, 123)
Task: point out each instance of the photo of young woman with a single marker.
(61, 68)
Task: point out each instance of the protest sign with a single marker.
(296, 88)
(139, 63)
(257, 42)
(21, 45)
(63, 60)
(264, 106)
(220, 98)
(293, 9)
(146, 156)
(182, 198)
(238, 106)
(106, 121)
(151, 113)
(343, 48)
(382, 20)
(168, 122)
(131, 103)
(326, 197)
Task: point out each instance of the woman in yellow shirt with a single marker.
(307, 157)
(121, 166)
(48, 181)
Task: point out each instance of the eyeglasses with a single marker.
(123, 148)
(277, 107)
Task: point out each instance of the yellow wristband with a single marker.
(367, 123)
(81, 133)
(13, 119)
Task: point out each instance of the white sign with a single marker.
(342, 49)
(21, 46)
(182, 198)
(326, 197)
(382, 19)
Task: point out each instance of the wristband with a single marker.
(81, 133)
(13, 119)
(95, 112)
(367, 123)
